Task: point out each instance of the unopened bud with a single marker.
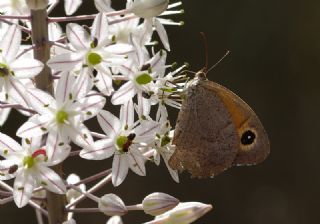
(71, 193)
(148, 8)
(115, 220)
(184, 213)
(71, 221)
(111, 205)
(37, 4)
(158, 203)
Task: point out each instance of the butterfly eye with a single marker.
(248, 137)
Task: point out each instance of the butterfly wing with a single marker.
(253, 143)
(205, 137)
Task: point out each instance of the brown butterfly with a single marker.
(216, 130)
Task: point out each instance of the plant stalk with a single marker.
(39, 22)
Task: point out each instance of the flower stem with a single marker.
(39, 22)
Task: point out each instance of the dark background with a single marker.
(273, 66)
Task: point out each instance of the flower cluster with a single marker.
(114, 58)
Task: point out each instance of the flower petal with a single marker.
(102, 149)
(41, 101)
(35, 126)
(137, 162)
(8, 145)
(78, 37)
(50, 180)
(17, 92)
(80, 135)
(71, 6)
(83, 84)
(56, 149)
(109, 123)
(103, 5)
(26, 68)
(5, 166)
(120, 168)
(123, 94)
(23, 188)
(65, 62)
(127, 114)
(64, 88)
(10, 43)
(100, 29)
(104, 83)
(162, 34)
(89, 106)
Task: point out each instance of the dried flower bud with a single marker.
(37, 4)
(184, 213)
(148, 8)
(158, 203)
(111, 204)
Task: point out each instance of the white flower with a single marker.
(141, 78)
(13, 70)
(163, 147)
(29, 165)
(96, 52)
(62, 118)
(148, 8)
(184, 213)
(123, 142)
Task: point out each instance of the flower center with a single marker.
(29, 161)
(94, 58)
(143, 79)
(121, 141)
(124, 142)
(4, 70)
(61, 116)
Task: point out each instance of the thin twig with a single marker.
(24, 29)
(32, 203)
(122, 19)
(101, 183)
(16, 106)
(83, 210)
(98, 135)
(39, 217)
(15, 17)
(6, 200)
(88, 195)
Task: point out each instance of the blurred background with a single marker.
(274, 67)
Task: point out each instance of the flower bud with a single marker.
(71, 221)
(158, 203)
(184, 213)
(37, 4)
(115, 220)
(148, 8)
(111, 205)
(71, 193)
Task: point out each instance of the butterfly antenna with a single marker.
(205, 45)
(218, 62)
